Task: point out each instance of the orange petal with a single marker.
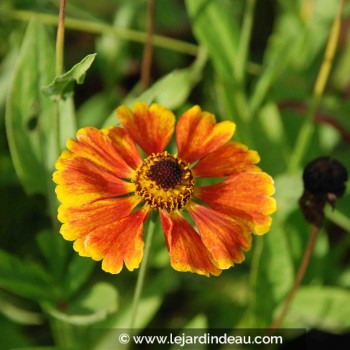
(124, 146)
(106, 152)
(150, 127)
(197, 134)
(223, 236)
(79, 221)
(117, 242)
(187, 252)
(82, 181)
(246, 196)
(228, 160)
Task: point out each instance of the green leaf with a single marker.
(146, 311)
(171, 91)
(90, 308)
(200, 322)
(271, 123)
(273, 273)
(12, 335)
(198, 325)
(67, 121)
(17, 313)
(289, 188)
(73, 274)
(94, 110)
(78, 272)
(63, 85)
(54, 250)
(269, 133)
(30, 115)
(27, 107)
(121, 320)
(321, 307)
(6, 74)
(25, 279)
(215, 28)
(112, 49)
(101, 297)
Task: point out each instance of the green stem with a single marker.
(63, 333)
(142, 273)
(101, 28)
(53, 204)
(304, 138)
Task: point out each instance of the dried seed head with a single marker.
(324, 181)
(325, 175)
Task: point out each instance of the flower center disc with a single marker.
(164, 181)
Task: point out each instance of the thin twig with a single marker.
(301, 272)
(148, 47)
(60, 39)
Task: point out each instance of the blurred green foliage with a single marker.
(261, 79)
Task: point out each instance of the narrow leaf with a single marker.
(18, 314)
(26, 107)
(78, 272)
(25, 279)
(63, 85)
(274, 274)
(30, 115)
(146, 311)
(55, 251)
(214, 26)
(172, 90)
(90, 308)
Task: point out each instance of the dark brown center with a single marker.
(164, 182)
(167, 173)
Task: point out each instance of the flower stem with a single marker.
(60, 39)
(59, 70)
(148, 47)
(102, 28)
(301, 272)
(142, 273)
(306, 131)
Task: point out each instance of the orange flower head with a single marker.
(107, 190)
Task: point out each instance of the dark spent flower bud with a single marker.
(325, 175)
(324, 181)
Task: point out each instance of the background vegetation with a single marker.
(253, 62)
